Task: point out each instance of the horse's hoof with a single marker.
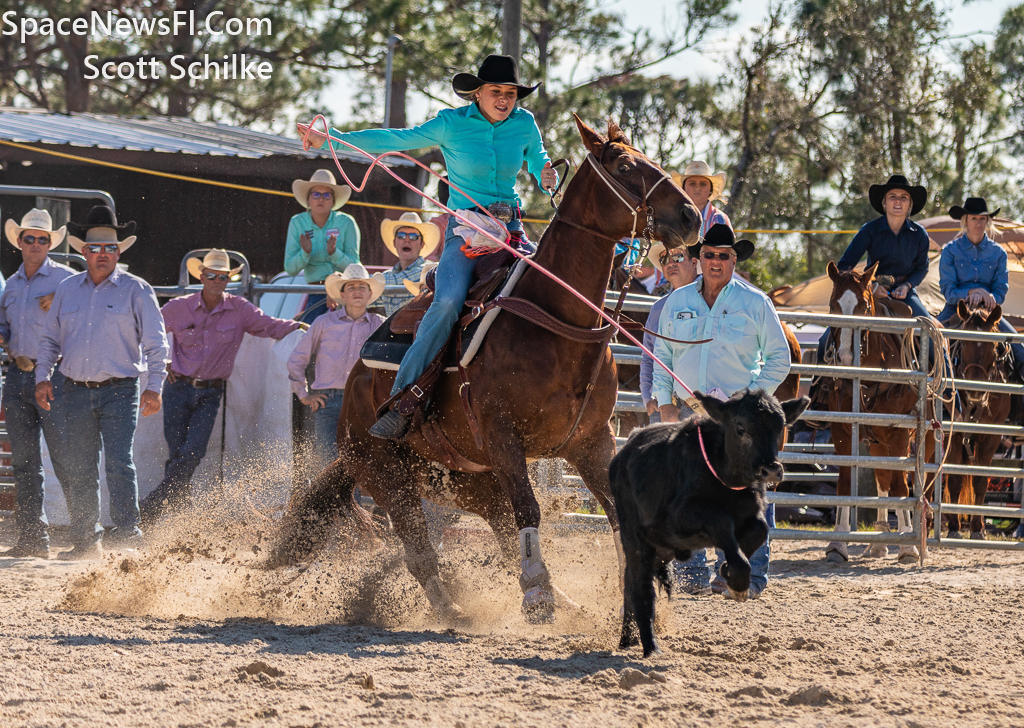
(441, 601)
(564, 602)
(877, 551)
(837, 553)
(909, 555)
(978, 536)
(538, 605)
(736, 596)
(954, 534)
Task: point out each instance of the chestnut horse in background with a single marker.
(529, 388)
(852, 296)
(985, 361)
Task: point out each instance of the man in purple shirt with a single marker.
(335, 339)
(105, 327)
(207, 329)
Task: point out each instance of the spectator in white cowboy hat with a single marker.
(704, 186)
(106, 329)
(321, 240)
(334, 340)
(23, 309)
(411, 240)
(207, 328)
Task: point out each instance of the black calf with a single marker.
(671, 500)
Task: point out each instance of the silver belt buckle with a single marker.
(501, 210)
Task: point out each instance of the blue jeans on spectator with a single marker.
(189, 416)
(94, 419)
(325, 428)
(454, 275)
(316, 306)
(26, 420)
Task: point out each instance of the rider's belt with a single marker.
(200, 383)
(25, 364)
(501, 210)
(104, 383)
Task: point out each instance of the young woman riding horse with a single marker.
(484, 146)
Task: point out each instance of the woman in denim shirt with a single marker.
(972, 268)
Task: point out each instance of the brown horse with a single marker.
(852, 296)
(529, 387)
(986, 361)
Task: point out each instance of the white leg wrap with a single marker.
(906, 521)
(843, 519)
(883, 513)
(534, 570)
(620, 553)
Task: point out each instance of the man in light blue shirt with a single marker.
(106, 328)
(23, 310)
(748, 348)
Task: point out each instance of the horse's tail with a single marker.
(313, 512)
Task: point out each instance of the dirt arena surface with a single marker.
(188, 633)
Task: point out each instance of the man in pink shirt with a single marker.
(208, 328)
(335, 340)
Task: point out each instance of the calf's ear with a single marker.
(793, 408)
(712, 406)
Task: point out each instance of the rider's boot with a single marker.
(392, 426)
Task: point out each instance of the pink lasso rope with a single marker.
(376, 161)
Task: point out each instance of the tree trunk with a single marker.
(543, 108)
(179, 95)
(399, 89)
(76, 86)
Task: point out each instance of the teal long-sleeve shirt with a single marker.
(482, 158)
(317, 264)
(747, 349)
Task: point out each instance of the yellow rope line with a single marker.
(246, 188)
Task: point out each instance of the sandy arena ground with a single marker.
(188, 633)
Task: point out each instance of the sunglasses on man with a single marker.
(410, 236)
(96, 248)
(321, 195)
(708, 255)
(33, 240)
(677, 258)
(218, 277)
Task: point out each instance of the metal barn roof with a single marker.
(154, 134)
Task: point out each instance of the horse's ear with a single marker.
(869, 274)
(962, 311)
(994, 316)
(616, 135)
(591, 139)
(832, 270)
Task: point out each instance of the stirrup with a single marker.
(391, 426)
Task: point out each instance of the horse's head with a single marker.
(979, 360)
(637, 181)
(851, 296)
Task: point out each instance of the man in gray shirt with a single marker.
(105, 327)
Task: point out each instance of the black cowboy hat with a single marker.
(101, 216)
(973, 206)
(722, 236)
(918, 194)
(495, 69)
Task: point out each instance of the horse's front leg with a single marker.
(987, 446)
(838, 551)
(508, 460)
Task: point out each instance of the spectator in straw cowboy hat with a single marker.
(207, 329)
(411, 240)
(334, 340)
(23, 309)
(321, 240)
(704, 186)
(106, 330)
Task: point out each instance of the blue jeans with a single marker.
(325, 428)
(695, 571)
(25, 422)
(1017, 349)
(95, 419)
(189, 416)
(454, 276)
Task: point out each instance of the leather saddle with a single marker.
(388, 344)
